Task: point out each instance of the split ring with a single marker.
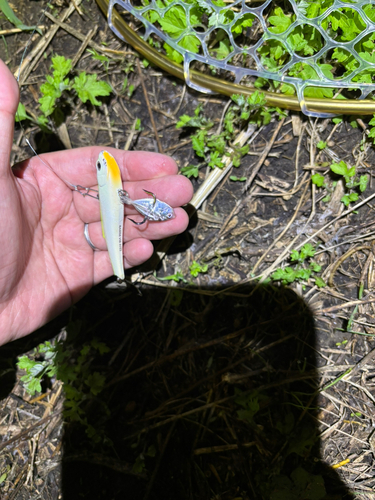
(87, 236)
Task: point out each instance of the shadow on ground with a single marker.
(208, 393)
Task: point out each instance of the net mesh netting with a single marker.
(304, 48)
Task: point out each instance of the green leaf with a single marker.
(363, 183)
(256, 100)
(190, 171)
(174, 21)
(195, 268)
(101, 347)
(321, 145)
(34, 386)
(237, 179)
(21, 113)
(173, 54)
(215, 160)
(319, 282)
(98, 57)
(287, 275)
(176, 296)
(339, 168)
(294, 255)
(191, 43)
(61, 68)
(198, 142)
(337, 120)
(96, 382)
(223, 50)
(307, 251)
(50, 92)
(183, 121)
(314, 266)
(279, 20)
(240, 100)
(348, 198)
(244, 22)
(89, 88)
(173, 277)
(318, 180)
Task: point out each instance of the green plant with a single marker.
(99, 57)
(352, 182)
(190, 171)
(178, 276)
(195, 268)
(37, 369)
(81, 382)
(214, 147)
(85, 87)
(234, 178)
(140, 465)
(303, 270)
(21, 113)
(250, 404)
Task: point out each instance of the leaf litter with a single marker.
(218, 381)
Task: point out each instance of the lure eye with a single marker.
(98, 165)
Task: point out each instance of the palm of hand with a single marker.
(46, 263)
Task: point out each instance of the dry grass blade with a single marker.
(160, 147)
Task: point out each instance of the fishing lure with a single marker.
(151, 208)
(111, 209)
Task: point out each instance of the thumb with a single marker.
(9, 97)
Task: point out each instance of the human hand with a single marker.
(46, 264)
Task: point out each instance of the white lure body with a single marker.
(111, 210)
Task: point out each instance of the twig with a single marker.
(343, 258)
(267, 149)
(344, 214)
(131, 135)
(160, 147)
(80, 36)
(158, 463)
(285, 229)
(108, 122)
(83, 46)
(303, 128)
(217, 403)
(220, 449)
(179, 352)
(27, 431)
(77, 8)
(344, 306)
(180, 101)
(287, 249)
